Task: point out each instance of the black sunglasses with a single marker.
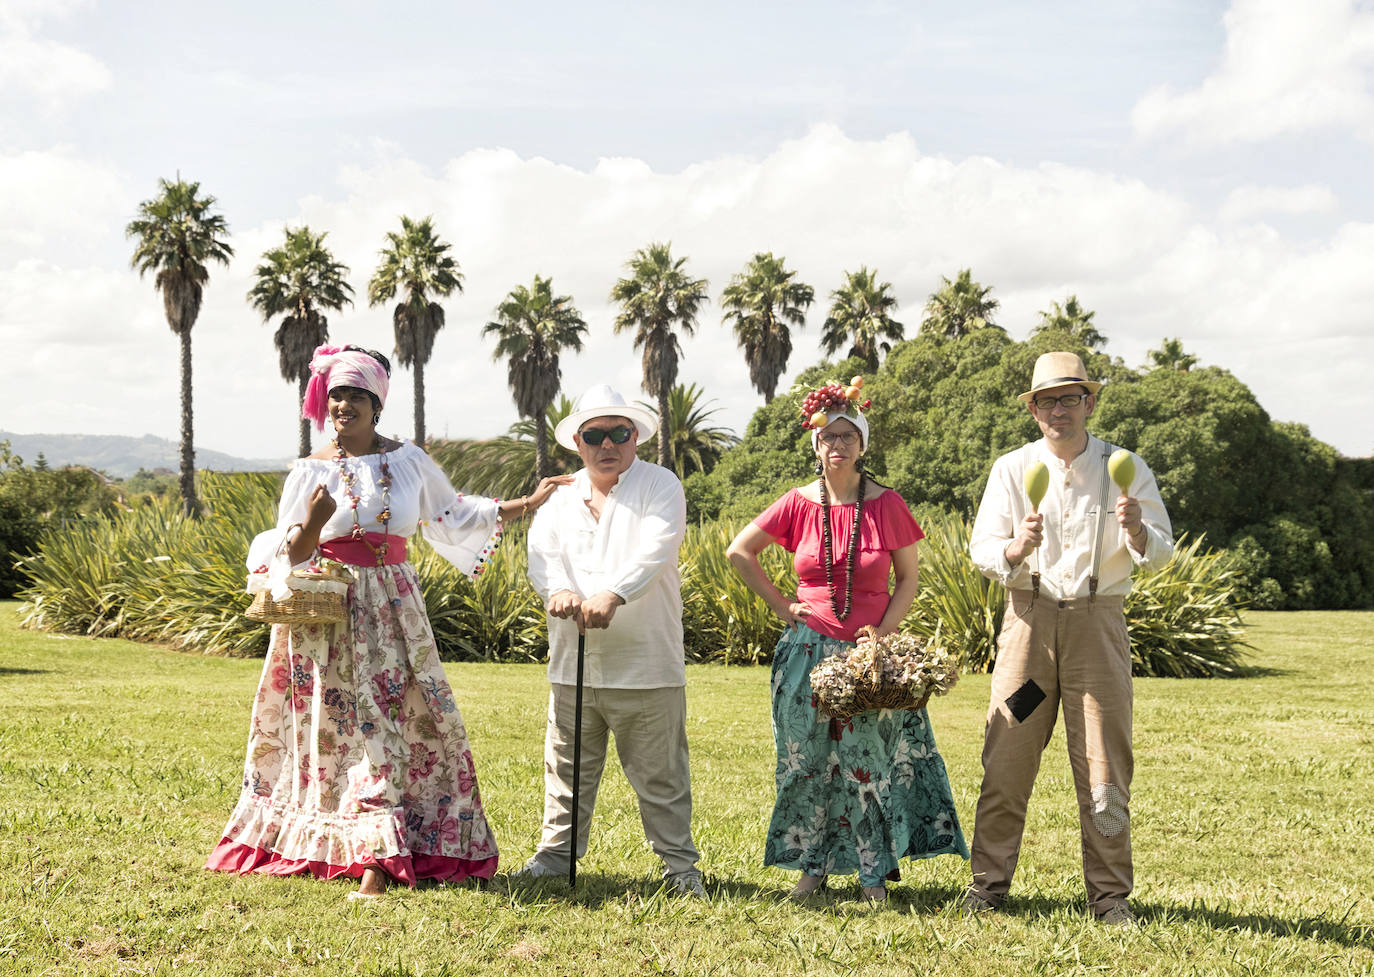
(594, 436)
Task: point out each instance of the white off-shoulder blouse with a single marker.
(463, 529)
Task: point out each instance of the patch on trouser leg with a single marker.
(1110, 816)
(1023, 701)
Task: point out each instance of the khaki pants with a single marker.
(650, 728)
(1079, 654)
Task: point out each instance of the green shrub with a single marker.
(1184, 618)
(965, 605)
(722, 619)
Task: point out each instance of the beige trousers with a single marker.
(650, 729)
(1078, 654)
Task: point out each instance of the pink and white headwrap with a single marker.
(334, 366)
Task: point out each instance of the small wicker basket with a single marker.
(317, 597)
(845, 687)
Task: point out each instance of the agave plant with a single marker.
(723, 620)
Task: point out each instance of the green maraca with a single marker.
(1037, 482)
(1121, 466)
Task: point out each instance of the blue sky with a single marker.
(1187, 169)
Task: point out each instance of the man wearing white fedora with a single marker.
(603, 555)
(1066, 569)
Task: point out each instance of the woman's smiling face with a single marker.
(351, 410)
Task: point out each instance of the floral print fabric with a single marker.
(854, 795)
(357, 754)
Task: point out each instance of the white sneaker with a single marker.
(535, 869)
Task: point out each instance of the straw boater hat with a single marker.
(1058, 370)
(602, 401)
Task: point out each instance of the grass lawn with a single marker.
(1253, 828)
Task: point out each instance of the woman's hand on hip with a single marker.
(794, 613)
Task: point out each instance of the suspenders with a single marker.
(1097, 538)
(1101, 518)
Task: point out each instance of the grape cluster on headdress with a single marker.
(833, 398)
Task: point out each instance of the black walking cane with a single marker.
(577, 761)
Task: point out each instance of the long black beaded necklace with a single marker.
(829, 549)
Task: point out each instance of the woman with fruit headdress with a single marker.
(860, 794)
(358, 761)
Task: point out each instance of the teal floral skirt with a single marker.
(854, 795)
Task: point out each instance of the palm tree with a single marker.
(762, 301)
(696, 446)
(657, 296)
(1073, 319)
(417, 262)
(860, 315)
(298, 279)
(504, 467)
(1170, 356)
(958, 307)
(178, 234)
(533, 326)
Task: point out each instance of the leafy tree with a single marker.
(417, 263)
(177, 234)
(297, 280)
(1170, 356)
(1072, 319)
(533, 327)
(762, 301)
(958, 307)
(35, 499)
(657, 297)
(696, 445)
(861, 316)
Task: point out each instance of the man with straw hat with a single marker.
(1066, 563)
(603, 555)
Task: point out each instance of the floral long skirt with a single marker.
(357, 755)
(855, 795)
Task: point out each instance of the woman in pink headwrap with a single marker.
(358, 761)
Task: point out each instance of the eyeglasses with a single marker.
(1066, 400)
(847, 438)
(594, 436)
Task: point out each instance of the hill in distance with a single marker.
(120, 456)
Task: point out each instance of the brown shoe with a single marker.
(973, 904)
(1118, 915)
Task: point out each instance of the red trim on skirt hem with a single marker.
(231, 856)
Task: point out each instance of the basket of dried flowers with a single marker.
(897, 671)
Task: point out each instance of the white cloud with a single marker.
(53, 200)
(1239, 295)
(31, 65)
(1244, 203)
(1288, 67)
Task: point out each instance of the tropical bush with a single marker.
(151, 574)
(724, 620)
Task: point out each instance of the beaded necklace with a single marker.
(829, 549)
(384, 483)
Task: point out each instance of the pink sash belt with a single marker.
(346, 549)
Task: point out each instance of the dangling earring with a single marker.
(376, 418)
(819, 468)
(859, 464)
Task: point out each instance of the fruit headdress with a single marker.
(833, 401)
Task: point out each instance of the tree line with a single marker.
(179, 233)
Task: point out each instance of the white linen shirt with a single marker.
(633, 552)
(1070, 508)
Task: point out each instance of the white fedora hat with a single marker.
(602, 401)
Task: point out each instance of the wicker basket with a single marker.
(865, 687)
(317, 597)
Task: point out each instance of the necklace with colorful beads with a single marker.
(829, 549)
(384, 483)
